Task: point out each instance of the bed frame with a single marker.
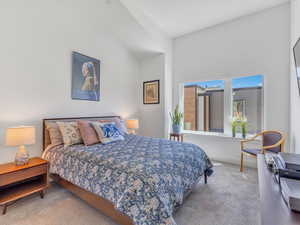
(105, 206)
(102, 204)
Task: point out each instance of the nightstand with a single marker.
(20, 181)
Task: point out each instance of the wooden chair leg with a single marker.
(4, 209)
(242, 162)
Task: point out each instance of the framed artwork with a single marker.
(151, 92)
(296, 51)
(85, 77)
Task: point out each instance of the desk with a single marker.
(274, 211)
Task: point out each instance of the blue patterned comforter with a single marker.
(145, 178)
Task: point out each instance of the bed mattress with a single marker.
(145, 178)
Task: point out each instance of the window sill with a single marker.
(222, 135)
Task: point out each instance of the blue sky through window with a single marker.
(207, 84)
(251, 81)
(241, 82)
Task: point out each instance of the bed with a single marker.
(139, 180)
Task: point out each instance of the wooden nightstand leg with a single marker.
(42, 194)
(4, 209)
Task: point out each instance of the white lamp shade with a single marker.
(132, 124)
(16, 136)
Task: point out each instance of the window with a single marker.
(209, 105)
(204, 106)
(247, 93)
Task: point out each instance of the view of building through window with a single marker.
(247, 93)
(204, 104)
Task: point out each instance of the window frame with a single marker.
(228, 108)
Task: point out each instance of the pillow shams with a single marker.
(70, 133)
(54, 133)
(88, 133)
(107, 132)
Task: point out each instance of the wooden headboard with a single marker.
(46, 137)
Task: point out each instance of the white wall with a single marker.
(37, 38)
(158, 43)
(295, 99)
(255, 44)
(152, 116)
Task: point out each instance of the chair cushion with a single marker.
(271, 138)
(251, 151)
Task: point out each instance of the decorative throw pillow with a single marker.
(120, 124)
(122, 127)
(54, 133)
(107, 132)
(88, 133)
(70, 133)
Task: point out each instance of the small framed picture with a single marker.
(151, 92)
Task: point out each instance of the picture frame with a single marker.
(85, 77)
(296, 53)
(151, 92)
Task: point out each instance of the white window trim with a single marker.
(228, 98)
(216, 134)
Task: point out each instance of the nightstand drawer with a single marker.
(23, 174)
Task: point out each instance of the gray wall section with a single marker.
(253, 109)
(216, 119)
(200, 111)
(217, 111)
(253, 98)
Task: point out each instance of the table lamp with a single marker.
(132, 124)
(20, 136)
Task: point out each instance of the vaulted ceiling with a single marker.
(179, 17)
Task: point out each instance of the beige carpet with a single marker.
(229, 198)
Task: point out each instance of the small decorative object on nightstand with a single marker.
(132, 125)
(175, 136)
(19, 181)
(20, 136)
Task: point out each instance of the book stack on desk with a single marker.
(290, 190)
(288, 173)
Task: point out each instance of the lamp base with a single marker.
(131, 131)
(22, 157)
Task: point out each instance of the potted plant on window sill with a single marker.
(239, 122)
(176, 118)
(243, 124)
(234, 125)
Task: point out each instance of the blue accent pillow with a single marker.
(107, 132)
